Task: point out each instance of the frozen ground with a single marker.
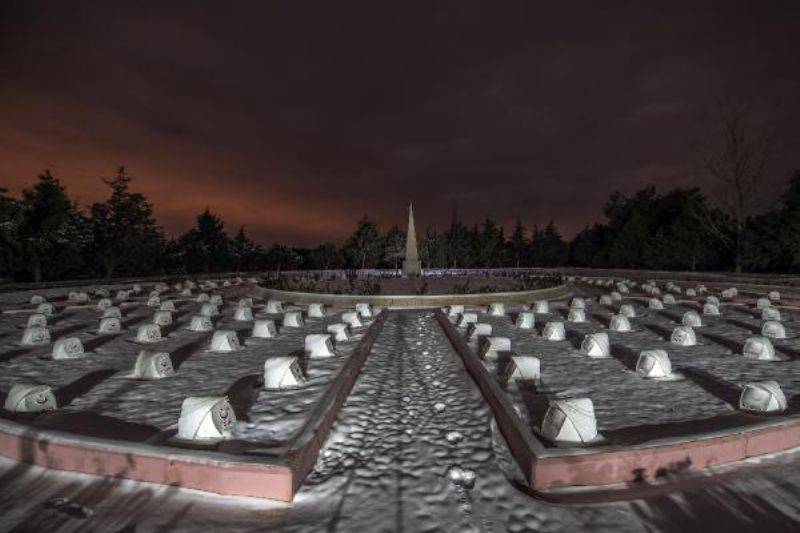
(413, 449)
(632, 409)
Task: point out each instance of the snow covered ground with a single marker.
(415, 447)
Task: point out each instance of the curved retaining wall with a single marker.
(416, 301)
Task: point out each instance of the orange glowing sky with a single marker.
(295, 119)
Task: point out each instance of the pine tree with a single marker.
(519, 244)
(127, 239)
(365, 247)
(395, 246)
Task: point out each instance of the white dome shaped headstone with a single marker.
(541, 306)
(264, 329)
(467, 318)
(282, 373)
(30, 398)
(292, 319)
(224, 340)
(206, 418)
(762, 397)
(691, 319)
(109, 326)
(491, 347)
(576, 315)
(200, 323)
(596, 345)
(683, 336)
(525, 320)
(37, 320)
(654, 364)
(243, 314)
(339, 332)
(68, 348)
(523, 368)
(619, 323)
(554, 331)
(153, 365)
(570, 420)
(162, 318)
(319, 345)
(148, 333)
(316, 310)
(274, 306)
(760, 348)
(36, 336)
(477, 330)
(773, 329)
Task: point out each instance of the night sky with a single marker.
(296, 118)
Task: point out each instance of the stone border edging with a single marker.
(275, 478)
(549, 468)
(400, 301)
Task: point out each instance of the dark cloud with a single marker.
(296, 118)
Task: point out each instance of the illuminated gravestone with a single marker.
(691, 292)
(274, 306)
(364, 310)
(293, 319)
(202, 298)
(36, 336)
(186, 292)
(762, 397)
(619, 323)
(477, 330)
(209, 309)
(712, 300)
(668, 299)
(264, 329)
(523, 368)
(30, 398)
(541, 306)
(206, 419)
(759, 348)
(691, 319)
(577, 303)
(627, 310)
(283, 373)
(148, 333)
(226, 283)
(554, 331)
(153, 365)
(78, 297)
(316, 310)
(596, 345)
(136, 289)
(319, 345)
(225, 340)
(655, 303)
(109, 326)
(153, 301)
(200, 323)
(37, 320)
(710, 310)
(455, 310)
(243, 314)
(37, 299)
(683, 336)
(68, 348)
(112, 312)
(466, 319)
(216, 299)
(773, 330)
(525, 320)
(762, 303)
(730, 293)
(45, 309)
(774, 296)
(770, 313)
(352, 319)
(162, 318)
(167, 305)
(497, 309)
(339, 332)
(605, 300)
(105, 303)
(655, 364)
(570, 420)
(491, 347)
(615, 296)
(576, 315)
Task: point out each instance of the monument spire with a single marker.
(411, 264)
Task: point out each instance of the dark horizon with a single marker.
(297, 119)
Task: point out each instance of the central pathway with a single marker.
(414, 448)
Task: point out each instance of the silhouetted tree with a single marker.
(364, 249)
(395, 246)
(735, 164)
(206, 247)
(127, 239)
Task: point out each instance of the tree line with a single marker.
(44, 235)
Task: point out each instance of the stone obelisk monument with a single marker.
(411, 265)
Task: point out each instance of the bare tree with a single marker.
(736, 165)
